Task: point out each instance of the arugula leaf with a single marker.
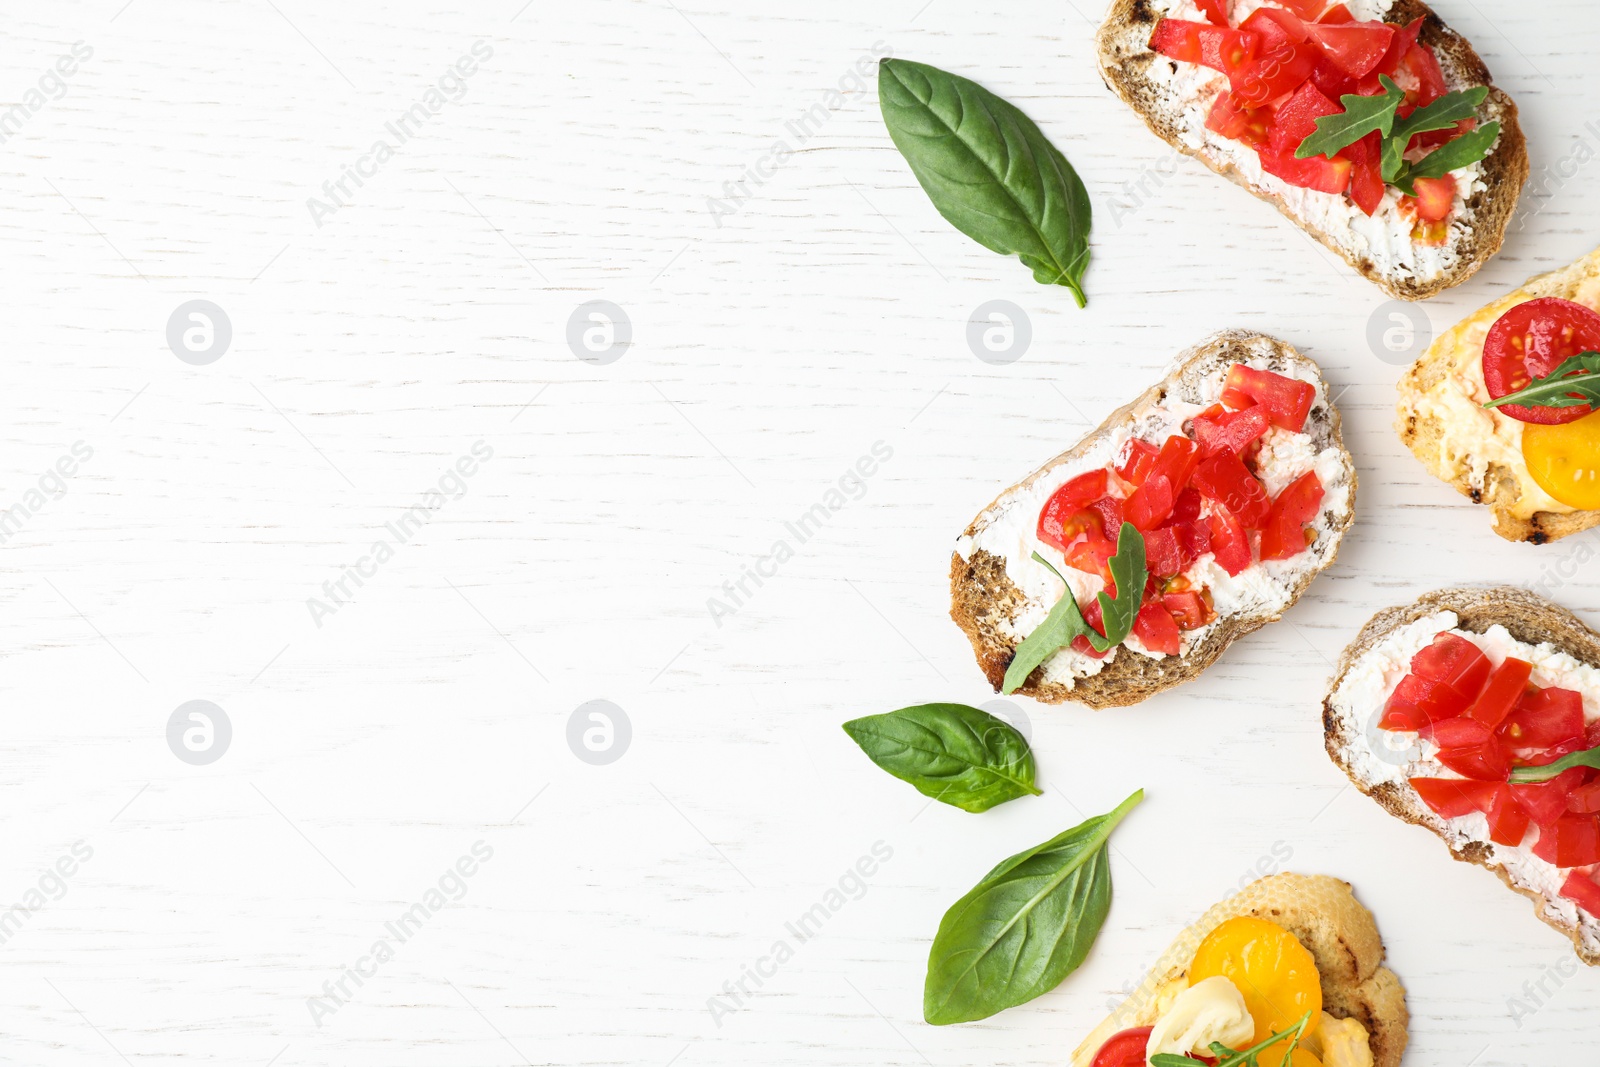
(1442, 114)
(1025, 926)
(954, 753)
(1066, 620)
(1250, 1057)
(1587, 758)
(1453, 155)
(989, 170)
(1554, 389)
(1361, 116)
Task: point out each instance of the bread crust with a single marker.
(1330, 922)
(983, 598)
(1124, 66)
(1527, 617)
(1424, 433)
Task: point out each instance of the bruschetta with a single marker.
(1230, 480)
(1290, 957)
(1369, 123)
(1475, 713)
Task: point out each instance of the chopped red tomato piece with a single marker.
(1333, 82)
(1546, 802)
(1161, 555)
(1452, 797)
(1404, 38)
(1319, 173)
(1366, 172)
(1306, 9)
(1092, 557)
(1457, 733)
(1435, 198)
(1150, 504)
(1189, 610)
(1234, 431)
(1155, 629)
(1284, 533)
(1274, 26)
(1215, 11)
(1356, 47)
(1578, 888)
(1217, 47)
(1249, 125)
(1274, 72)
(1124, 1049)
(1065, 514)
(1230, 544)
(1186, 509)
(1336, 15)
(1585, 800)
(1063, 531)
(1455, 661)
(1095, 618)
(1296, 118)
(1225, 479)
(1543, 718)
(1400, 711)
(1502, 691)
(1287, 400)
(1176, 460)
(1419, 75)
(1137, 459)
(1571, 841)
(1508, 823)
(1486, 762)
(1194, 540)
(1110, 509)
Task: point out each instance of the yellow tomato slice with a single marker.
(1274, 971)
(1565, 459)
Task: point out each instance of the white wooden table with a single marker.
(777, 334)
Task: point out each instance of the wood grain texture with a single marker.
(826, 313)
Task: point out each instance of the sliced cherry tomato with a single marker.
(1124, 1049)
(1092, 557)
(1455, 661)
(1272, 73)
(1155, 629)
(1572, 841)
(1150, 504)
(1137, 459)
(1366, 172)
(1355, 48)
(1296, 118)
(1452, 798)
(1189, 610)
(1230, 544)
(1234, 431)
(1585, 800)
(1252, 126)
(1487, 762)
(1502, 691)
(1226, 480)
(1110, 509)
(1508, 823)
(1319, 173)
(1564, 459)
(1578, 888)
(1543, 718)
(1161, 555)
(1435, 198)
(1287, 400)
(1066, 506)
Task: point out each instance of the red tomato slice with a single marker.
(1296, 118)
(1230, 544)
(1355, 48)
(1225, 479)
(1124, 1049)
(1155, 629)
(1161, 555)
(1544, 718)
(1189, 610)
(1110, 509)
(1233, 431)
(1366, 174)
(1502, 691)
(1336, 15)
(1578, 888)
(1287, 400)
(1485, 763)
(1435, 198)
(1215, 11)
(1137, 459)
(1150, 504)
(1249, 125)
(1530, 341)
(1508, 823)
(1454, 661)
(1572, 841)
(1319, 173)
(1452, 798)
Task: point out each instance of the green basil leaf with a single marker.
(1554, 389)
(1023, 928)
(1066, 620)
(1361, 115)
(1461, 152)
(989, 170)
(953, 753)
(1587, 758)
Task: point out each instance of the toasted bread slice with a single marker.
(1350, 730)
(1440, 416)
(1174, 103)
(987, 603)
(1339, 932)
